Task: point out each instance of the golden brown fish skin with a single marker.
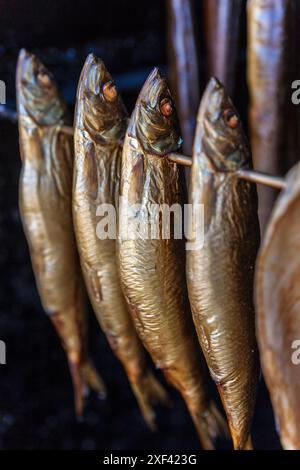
(222, 32)
(268, 26)
(277, 302)
(100, 127)
(220, 275)
(152, 272)
(45, 206)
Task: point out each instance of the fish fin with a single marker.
(80, 390)
(149, 392)
(93, 379)
(72, 348)
(240, 436)
(246, 446)
(218, 422)
(83, 377)
(210, 424)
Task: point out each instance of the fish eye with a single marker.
(44, 79)
(231, 118)
(166, 107)
(110, 91)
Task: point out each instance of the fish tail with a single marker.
(79, 387)
(70, 326)
(65, 325)
(242, 444)
(149, 392)
(93, 379)
(85, 376)
(240, 434)
(248, 444)
(209, 424)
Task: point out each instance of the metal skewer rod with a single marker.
(249, 175)
(262, 178)
(12, 116)
(180, 159)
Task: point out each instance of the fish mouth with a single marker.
(211, 100)
(94, 77)
(94, 74)
(33, 75)
(25, 67)
(105, 119)
(154, 81)
(37, 93)
(24, 54)
(157, 133)
(222, 141)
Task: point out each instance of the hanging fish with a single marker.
(267, 78)
(277, 290)
(100, 125)
(290, 155)
(45, 206)
(151, 263)
(220, 274)
(183, 66)
(222, 28)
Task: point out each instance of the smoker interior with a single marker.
(36, 406)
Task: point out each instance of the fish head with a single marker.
(37, 91)
(154, 122)
(103, 112)
(219, 134)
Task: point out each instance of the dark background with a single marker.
(36, 401)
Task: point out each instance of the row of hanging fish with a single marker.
(138, 288)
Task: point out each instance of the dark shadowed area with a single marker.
(36, 401)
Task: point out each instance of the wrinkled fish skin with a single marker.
(222, 27)
(152, 273)
(220, 275)
(100, 126)
(268, 26)
(45, 206)
(277, 302)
